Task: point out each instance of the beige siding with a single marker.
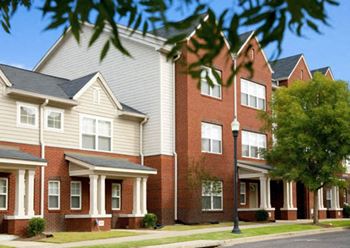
(8, 122)
(125, 132)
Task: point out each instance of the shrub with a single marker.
(150, 220)
(36, 226)
(262, 215)
(346, 211)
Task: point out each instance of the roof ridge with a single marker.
(288, 57)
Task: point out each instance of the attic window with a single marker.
(252, 54)
(302, 74)
(96, 95)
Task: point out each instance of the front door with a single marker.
(253, 195)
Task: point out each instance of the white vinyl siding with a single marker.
(253, 144)
(211, 138)
(54, 119)
(27, 115)
(54, 195)
(243, 193)
(116, 196)
(3, 193)
(212, 196)
(253, 94)
(75, 195)
(215, 90)
(96, 133)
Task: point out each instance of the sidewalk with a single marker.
(151, 234)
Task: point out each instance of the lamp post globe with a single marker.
(235, 132)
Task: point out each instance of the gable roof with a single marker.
(284, 67)
(51, 86)
(322, 70)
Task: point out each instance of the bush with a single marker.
(150, 220)
(36, 226)
(346, 211)
(262, 215)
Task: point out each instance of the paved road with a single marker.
(326, 240)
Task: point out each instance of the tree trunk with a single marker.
(315, 217)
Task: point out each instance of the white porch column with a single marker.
(19, 205)
(268, 192)
(263, 199)
(286, 195)
(137, 197)
(335, 198)
(320, 199)
(101, 195)
(93, 195)
(29, 187)
(144, 195)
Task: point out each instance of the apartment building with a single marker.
(70, 153)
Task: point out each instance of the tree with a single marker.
(311, 124)
(270, 19)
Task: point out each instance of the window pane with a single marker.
(3, 189)
(216, 146)
(54, 120)
(205, 87)
(253, 101)
(104, 128)
(75, 188)
(53, 188)
(205, 145)
(217, 202)
(88, 141)
(244, 99)
(254, 151)
(27, 115)
(75, 201)
(216, 91)
(261, 103)
(206, 188)
(206, 202)
(53, 201)
(242, 199)
(245, 150)
(89, 126)
(104, 144)
(3, 201)
(115, 203)
(115, 190)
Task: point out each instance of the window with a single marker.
(347, 164)
(210, 90)
(96, 134)
(211, 138)
(3, 193)
(302, 74)
(54, 119)
(54, 195)
(252, 54)
(253, 144)
(243, 194)
(212, 195)
(27, 115)
(96, 95)
(75, 195)
(253, 95)
(329, 198)
(116, 196)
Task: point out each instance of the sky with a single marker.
(28, 41)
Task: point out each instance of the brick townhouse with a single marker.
(70, 153)
(180, 130)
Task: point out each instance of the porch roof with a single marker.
(13, 156)
(256, 167)
(95, 162)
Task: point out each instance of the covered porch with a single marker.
(125, 213)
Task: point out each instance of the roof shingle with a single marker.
(19, 155)
(283, 67)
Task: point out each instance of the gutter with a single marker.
(235, 88)
(141, 140)
(42, 153)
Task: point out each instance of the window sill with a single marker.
(213, 211)
(252, 108)
(212, 97)
(212, 153)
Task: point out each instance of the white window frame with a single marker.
(209, 70)
(243, 192)
(31, 106)
(257, 86)
(71, 195)
(97, 119)
(6, 193)
(211, 139)
(96, 95)
(212, 194)
(58, 195)
(347, 165)
(54, 110)
(249, 145)
(119, 198)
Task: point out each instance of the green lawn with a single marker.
(65, 237)
(338, 223)
(214, 236)
(180, 227)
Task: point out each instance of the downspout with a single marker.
(174, 140)
(42, 153)
(141, 139)
(235, 87)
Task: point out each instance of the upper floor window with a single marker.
(253, 144)
(54, 119)
(27, 115)
(212, 195)
(206, 88)
(116, 196)
(253, 94)
(96, 133)
(211, 138)
(96, 95)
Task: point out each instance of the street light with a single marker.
(235, 131)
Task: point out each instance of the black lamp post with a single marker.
(235, 131)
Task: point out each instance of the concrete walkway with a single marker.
(150, 234)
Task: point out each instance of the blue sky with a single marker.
(28, 42)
